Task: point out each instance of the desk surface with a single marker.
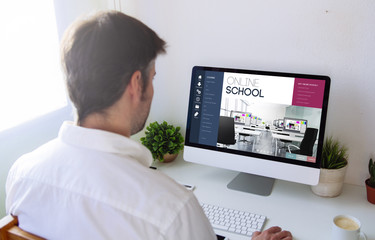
(247, 131)
(287, 137)
(291, 206)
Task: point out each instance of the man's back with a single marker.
(92, 184)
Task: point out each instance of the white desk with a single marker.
(296, 134)
(247, 130)
(291, 206)
(283, 136)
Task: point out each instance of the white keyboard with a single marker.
(234, 221)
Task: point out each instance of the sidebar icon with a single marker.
(198, 96)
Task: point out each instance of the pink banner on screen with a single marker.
(308, 93)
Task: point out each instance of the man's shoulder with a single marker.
(32, 158)
(156, 188)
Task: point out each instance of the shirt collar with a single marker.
(104, 141)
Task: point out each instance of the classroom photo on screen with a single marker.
(281, 121)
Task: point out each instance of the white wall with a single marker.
(333, 37)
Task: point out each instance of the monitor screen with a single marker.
(296, 103)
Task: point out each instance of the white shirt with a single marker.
(93, 184)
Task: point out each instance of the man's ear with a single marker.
(135, 85)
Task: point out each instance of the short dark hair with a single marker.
(99, 56)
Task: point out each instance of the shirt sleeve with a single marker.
(191, 223)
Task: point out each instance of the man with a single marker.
(92, 181)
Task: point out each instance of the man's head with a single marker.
(100, 54)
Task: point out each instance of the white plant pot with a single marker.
(330, 182)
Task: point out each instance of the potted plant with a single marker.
(332, 169)
(163, 140)
(370, 182)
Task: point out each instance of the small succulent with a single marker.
(162, 138)
(334, 154)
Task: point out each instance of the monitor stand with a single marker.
(250, 183)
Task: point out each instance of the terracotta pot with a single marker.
(169, 157)
(330, 182)
(370, 193)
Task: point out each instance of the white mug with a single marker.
(346, 227)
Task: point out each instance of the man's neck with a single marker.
(106, 123)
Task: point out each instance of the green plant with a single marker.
(371, 169)
(334, 154)
(162, 138)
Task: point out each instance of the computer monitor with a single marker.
(270, 95)
(295, 125)
(241, 117)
